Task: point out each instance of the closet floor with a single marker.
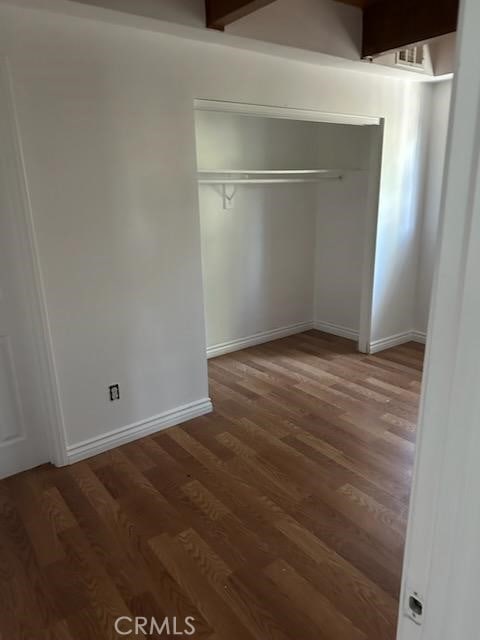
(281, 515)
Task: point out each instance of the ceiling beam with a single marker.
(220, 13)
(394, 24)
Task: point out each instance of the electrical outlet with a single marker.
(414, 606)
(114, 390)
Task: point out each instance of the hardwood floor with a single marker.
(280, 516)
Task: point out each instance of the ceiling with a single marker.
(388, 25)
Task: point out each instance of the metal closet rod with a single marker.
(242, 176)
(266, 171)
(267, 180)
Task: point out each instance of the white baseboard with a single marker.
(117, 437)
(419, 336)
(257, 338)
(396, 340)
(336, 330)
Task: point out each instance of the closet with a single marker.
(288, 222)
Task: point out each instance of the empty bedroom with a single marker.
(219, 230)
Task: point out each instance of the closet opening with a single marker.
(288, 214)
(315, 434)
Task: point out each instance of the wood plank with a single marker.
(314, 605)
(390, 24)
(220, 13)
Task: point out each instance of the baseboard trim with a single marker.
(419, 336)
(117, 437)
(336, 330)
(396, 340)
(257, 338)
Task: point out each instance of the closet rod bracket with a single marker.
(228, 197)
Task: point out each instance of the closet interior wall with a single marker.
(285, 257)
(435, 160)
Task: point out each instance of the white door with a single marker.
(23, 437)
(442, 559)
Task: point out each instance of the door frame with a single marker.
(373, 197)
(442, 557)
(12, 165)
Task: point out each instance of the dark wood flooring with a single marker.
(280, 516)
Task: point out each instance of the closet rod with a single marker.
(267, 180)
(267, 172)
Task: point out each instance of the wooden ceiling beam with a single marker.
(220, 13)
(389, 25)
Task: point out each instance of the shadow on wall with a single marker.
(399, 228)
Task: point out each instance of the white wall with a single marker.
(258, 260)
(232, 141)
(397, 248)
(341, 227)
(340, 245)
(440, 111)
(443, 51)
(318, 25)
(228, 140)
(106, 118)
